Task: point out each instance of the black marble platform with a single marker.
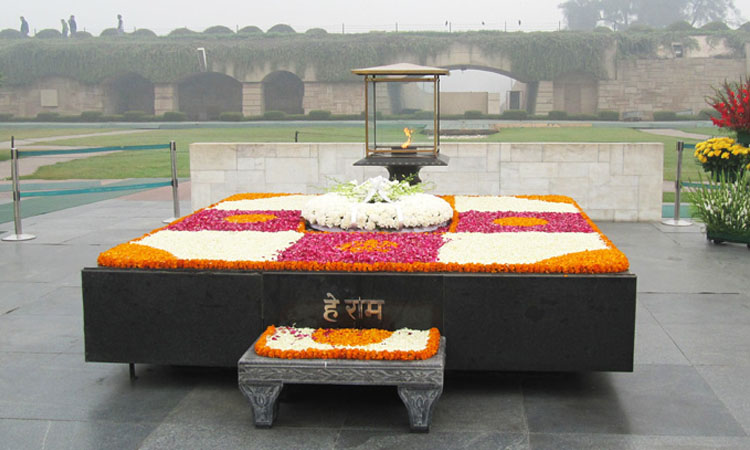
(404, 165)
(503, 322)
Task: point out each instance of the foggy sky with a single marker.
(356, 15)
(162, 16)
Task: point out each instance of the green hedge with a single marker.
(514, 114)
(608, 115)
(231, 116)
(557, 115)
(319, 114)
(533, 56)
(665, 116)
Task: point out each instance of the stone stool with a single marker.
(419, 382)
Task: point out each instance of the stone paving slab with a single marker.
(688, 390)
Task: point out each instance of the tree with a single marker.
(659, 14)
(618, 13)
(581, 14)
(699, 12)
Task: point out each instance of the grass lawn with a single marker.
(155, 163)
(21, 133)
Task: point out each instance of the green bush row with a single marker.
(412, 114)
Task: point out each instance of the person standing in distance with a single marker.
(64, 27)
(24, 27)
(120, 25)
(73, 25)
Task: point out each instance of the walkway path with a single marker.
(690, 387)
(674, 133)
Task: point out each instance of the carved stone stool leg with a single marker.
(264, 400)
(420, 402)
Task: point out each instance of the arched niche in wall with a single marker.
(283, 91)
(204, 96)
(128, 92)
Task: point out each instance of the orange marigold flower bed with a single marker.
(348, 343)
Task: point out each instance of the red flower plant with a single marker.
(732, 101)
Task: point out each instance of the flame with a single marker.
(407, 132)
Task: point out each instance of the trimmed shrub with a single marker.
(319, 114)
(48, 33)
(744, 27)
(91, 116)
(250, 29)
(680, 25)
(586, 117)
(316, 32)
(143, 32)
(218, 29)
(603, 29)
(47, 116)
(182, 32)
(6, 117)
(608, 115)
(514, 114)
(109, 32)
(11, 33)
(423, 115)
(112, 118)
(174, 116)
(231, 116)
(473, 114)
(281, 28)
(715, 26)
(707, 113)
(135, 116)
(81, 34)
(665, 116)
(274, 115)
(557, 115)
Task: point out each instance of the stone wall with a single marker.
(679, 84)
(61, 95)
(338, 98)
(612, 181)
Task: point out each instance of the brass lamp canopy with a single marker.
(401, 69)
(400, 74)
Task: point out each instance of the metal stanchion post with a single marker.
(18, 236)
(175, 190)
(677, 221)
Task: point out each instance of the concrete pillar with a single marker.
(545, 97)
(165, 98)
(494, 103)
(252, 99)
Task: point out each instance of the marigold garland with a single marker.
(347, 351)
(133, 255)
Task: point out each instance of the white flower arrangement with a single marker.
(415, 212)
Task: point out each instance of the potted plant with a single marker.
(724, 207)
(723, 158)
(732, 102)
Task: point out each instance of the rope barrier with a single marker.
(15, 155)
(94, 190)
(92, 150)
(697, 185)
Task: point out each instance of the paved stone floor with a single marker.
(690, 388)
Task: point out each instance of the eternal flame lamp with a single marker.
(403, 160)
